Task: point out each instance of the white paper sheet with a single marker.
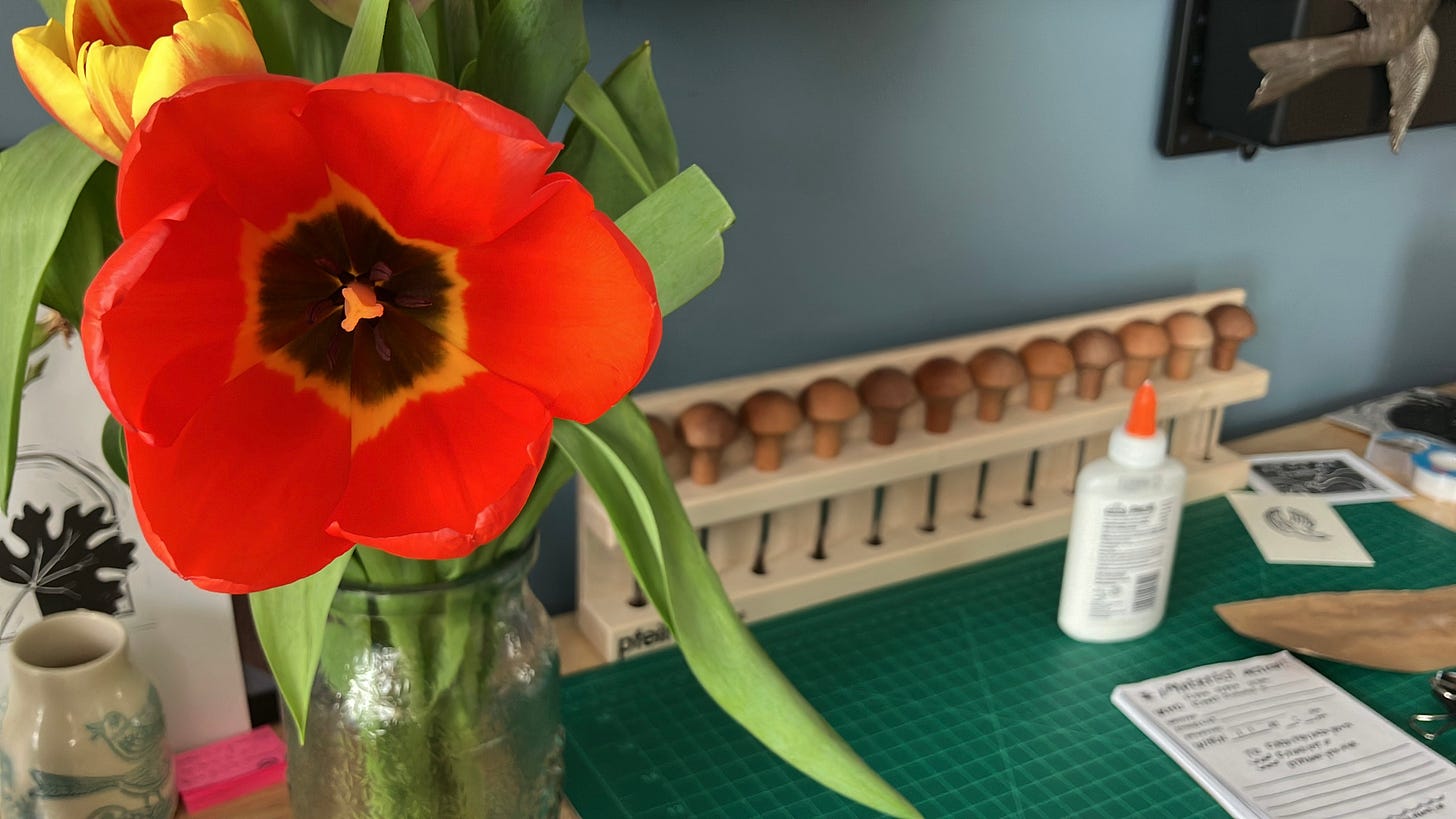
(95, 557)
(1299, 529)
(1270, 737)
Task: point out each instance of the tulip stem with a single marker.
(421, 745)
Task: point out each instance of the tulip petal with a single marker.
(461, 170)
(169, 308)
(238, 135)
(109, 74)
(43, 59)
(212, 46)
(239, 502)
(198, 9)
(450, 472)
(563, 304)
(139, 23)
(392, 433)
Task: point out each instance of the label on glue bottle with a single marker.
(1124, 531)
(1130, 547)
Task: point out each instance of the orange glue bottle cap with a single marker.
(1142, 421)
(1139, 443)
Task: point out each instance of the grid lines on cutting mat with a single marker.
(959, 689)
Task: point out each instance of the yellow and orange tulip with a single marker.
(100, 71)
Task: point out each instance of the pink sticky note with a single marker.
(230, 768)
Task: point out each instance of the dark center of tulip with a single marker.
(354, 305)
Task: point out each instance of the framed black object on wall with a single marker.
(1211, 78)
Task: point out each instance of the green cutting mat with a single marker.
(962, 692)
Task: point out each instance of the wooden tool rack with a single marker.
(806, 533)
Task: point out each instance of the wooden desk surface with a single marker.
(577, 655)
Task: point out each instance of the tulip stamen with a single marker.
(342, 272)
(360, 302)
(412, 301)
(321, 308)
(328, 266)
(334, 350)
(380, 347)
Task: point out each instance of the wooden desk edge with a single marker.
(578, 655)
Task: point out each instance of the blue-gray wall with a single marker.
(913, 169)
(19, 114)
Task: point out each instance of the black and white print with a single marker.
(70, 539)
(1337, 476)
(64, 548)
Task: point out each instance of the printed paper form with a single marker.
(1270, 737)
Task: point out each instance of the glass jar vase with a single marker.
(434, 701)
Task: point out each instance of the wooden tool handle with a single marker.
(884, 426)
(990, 404)
(939, 414)
(768, 453)
(1225, 353)
(828, 439)
(1135, 371)
(1180, 363)
(1041, 394)
(704, 466)
(1089, 383)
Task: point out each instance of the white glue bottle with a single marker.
(1124, 530)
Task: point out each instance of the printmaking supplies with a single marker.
(1337, 476)
(1434, 473)
(963, 690)
(1406, 631)
(899, 472)
(1443, 688)
(1268, 736)
(1124, 532)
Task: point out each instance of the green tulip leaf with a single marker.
(623, 168)
(679, 231)
(113, 448)
(629, 508)
(618, 456)
(468, 74)
(317, 41)
(385, 569)
(462, 28)
(632, 90)
(270, 32)
(530, 53)
(90, 237)
(55, 9)
(290, 621)
(366, 41)
(40, 180)
(405, 47)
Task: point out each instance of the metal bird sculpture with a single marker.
(1398, 36)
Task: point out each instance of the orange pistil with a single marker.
(359, 303)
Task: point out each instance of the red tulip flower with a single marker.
(347, 313)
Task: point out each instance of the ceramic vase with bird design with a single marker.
(82, 734)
